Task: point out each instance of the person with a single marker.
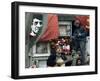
(79, 36)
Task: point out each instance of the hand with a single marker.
(79, 34)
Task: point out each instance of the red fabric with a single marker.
(84, 20)
(52, 31)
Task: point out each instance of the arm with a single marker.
(82, 33)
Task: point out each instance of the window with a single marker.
(65, 28)
(41, 48)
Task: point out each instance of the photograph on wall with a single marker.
(53, 40)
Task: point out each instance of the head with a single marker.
(78, 61)
(36, 23)
(77, 23)
(59, 50)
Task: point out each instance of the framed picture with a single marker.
(51, 40)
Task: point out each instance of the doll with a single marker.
(59, 60)
(66, 48)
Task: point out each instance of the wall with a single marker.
(5, 40)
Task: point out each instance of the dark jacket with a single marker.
(80, 34)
